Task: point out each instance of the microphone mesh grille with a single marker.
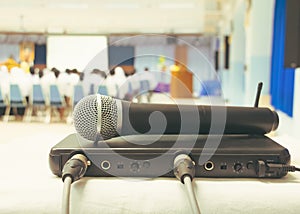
(109, 117)
(86, 118)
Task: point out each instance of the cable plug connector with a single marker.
(184, 166)
(184, 170)
(264, 169)
(281, 168)
(75, 167)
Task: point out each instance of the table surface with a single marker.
(28, 186)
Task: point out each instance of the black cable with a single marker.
(73, 170)
(184, 170)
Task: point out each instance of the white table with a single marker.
(28, 186)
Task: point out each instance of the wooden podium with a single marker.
(181, 84)
(181, 79)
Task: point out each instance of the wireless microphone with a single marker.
(103, 117)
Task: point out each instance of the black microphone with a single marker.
(98, 116)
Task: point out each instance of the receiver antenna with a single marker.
(258, 92)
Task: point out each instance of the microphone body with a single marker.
(239, 120)
(98, 116)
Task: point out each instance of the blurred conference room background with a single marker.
(52, 53)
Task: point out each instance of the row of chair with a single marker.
(37, 99)
(130, 93)
(55, 101)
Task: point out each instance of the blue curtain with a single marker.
(282, 79)
(288, 91)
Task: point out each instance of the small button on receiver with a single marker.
(135, 167)
(238, 167)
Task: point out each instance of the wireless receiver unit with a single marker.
(236, 156)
